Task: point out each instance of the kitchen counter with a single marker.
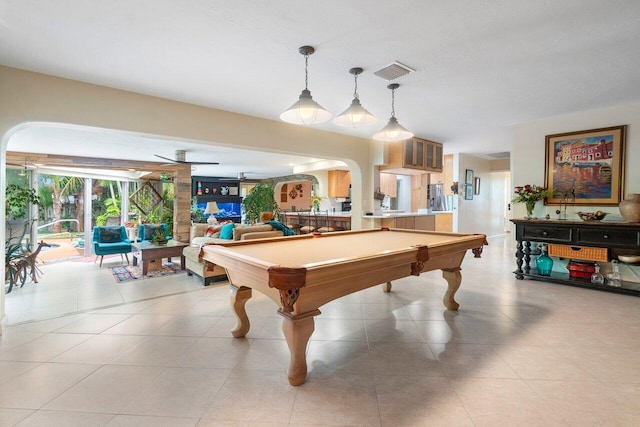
(385, 214)
(339, 219)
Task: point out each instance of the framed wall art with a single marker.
(585, 167)
(468, 184)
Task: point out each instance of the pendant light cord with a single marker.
(393, 102)
(306, 74)
(355, 90)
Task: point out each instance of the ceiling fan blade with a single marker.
(184, 162)
(201, 163)
(166, 158)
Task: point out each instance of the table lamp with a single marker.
(212, 208)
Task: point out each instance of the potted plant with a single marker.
(260, 199)
(529, 195)
(197, 213)
(17, 202)
(159, 238)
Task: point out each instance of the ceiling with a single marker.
(481, 66)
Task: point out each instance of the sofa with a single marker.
(198, 238)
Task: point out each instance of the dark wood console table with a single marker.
(618, 237)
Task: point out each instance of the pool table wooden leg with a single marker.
(386, 287)
(453, 278)
(297, 331)
(239, 297)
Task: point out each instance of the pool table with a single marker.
(301, 273)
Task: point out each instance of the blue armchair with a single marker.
(146, 231)
(109, 240)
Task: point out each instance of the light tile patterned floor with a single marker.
(518, 353)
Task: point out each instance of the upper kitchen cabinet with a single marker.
(433, 157)
(389, 184)
(339, 183)
(414, 156)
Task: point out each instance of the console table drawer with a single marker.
(547, 234)
(579, 252)
(608, 237)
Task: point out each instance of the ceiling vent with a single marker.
(393, 71)
(501, 155)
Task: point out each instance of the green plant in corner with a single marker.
(17, 201)
(260, 199)
(197, 213)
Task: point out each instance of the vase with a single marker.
(544, 263)
(530, 205)
(630, 208)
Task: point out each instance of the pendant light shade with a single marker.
(24, 171)
(356, 115)
(393, 131)
(306, 111)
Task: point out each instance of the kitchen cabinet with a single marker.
(388, 184)
(426, 222)
(413, 222)
(433, 156)
(414, 156)
(413, 153)
(444, 222)
(339, 183)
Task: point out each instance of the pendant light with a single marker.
(356, 115)
(306, 111)
(393, 131)
(24, 171)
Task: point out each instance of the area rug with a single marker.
(127, 273)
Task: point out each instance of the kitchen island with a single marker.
(338, 220)
(409, 220)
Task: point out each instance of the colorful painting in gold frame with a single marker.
(585, 167)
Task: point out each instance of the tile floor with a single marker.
(518, 353)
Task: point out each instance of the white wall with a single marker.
(485, 213)
(527, 158)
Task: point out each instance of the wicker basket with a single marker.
(579, 252)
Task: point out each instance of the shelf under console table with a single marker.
(617, 237)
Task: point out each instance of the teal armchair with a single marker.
(109, 240)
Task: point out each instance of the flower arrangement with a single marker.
(315, 202)
(529, 195)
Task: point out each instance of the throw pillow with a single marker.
(212, 230)
(110, 235)
(150, 231)
(227, 231)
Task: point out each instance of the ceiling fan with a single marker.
(241, 177)
(181, 156)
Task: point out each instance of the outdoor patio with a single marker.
(71, 283)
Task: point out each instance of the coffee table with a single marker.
(146, 251)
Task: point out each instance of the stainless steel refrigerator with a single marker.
(437, 200)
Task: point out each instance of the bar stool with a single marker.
(290, 221)
(322, 222)
(307, 222)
